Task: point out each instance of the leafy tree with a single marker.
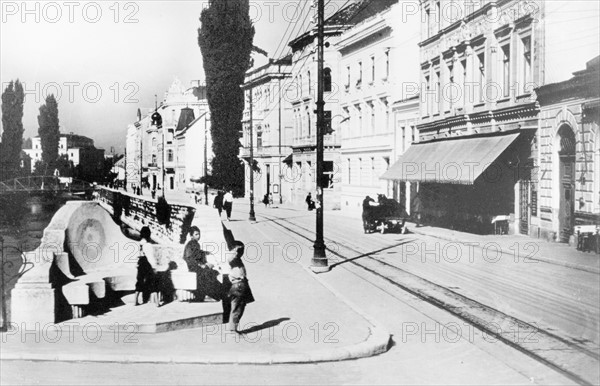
(13, 99)
(49, 132)
(27, 144)
(39, 168)
(65, 166)
(225, 39)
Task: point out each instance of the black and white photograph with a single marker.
(300, 192)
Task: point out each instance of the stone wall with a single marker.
(586, 174)
(138, 211)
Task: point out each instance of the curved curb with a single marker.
(377, 342)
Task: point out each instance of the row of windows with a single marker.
(169, 157)
(363, 171)
(311, 83)
(306, 174)
(371, 71)
(303, 123)
(476, 76)
(440, 14)
(367, 118)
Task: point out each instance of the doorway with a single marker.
(268, 179)
(566, 178)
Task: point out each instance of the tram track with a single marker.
(547, 347)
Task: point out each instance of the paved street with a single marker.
(437, 312)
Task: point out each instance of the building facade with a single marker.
(194, 152)
(406, 118)
(479, 63)
(378, 59)
(271, 130)
(569, 175)
(479, 156)
(78, 149)
(304, 97)
(152, 140)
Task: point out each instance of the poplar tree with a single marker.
(13, 99)
(225, 39)
(49, 132)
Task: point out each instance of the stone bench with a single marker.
(79, 292)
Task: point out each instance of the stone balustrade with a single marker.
(138, 211)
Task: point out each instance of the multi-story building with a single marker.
(194, 151)
(303, 100)
(272, 129)
(405, 113)
(480, 63)
(378, 59)
(79, 150)
(569, 176)
(152, 139)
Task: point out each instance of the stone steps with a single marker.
(148, 318)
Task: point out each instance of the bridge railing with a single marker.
(43, 184)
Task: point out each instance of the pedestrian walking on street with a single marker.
(417, 208)
(218, 202)
(309, 202)
(228, 204)
(240, 293)
(266, 200)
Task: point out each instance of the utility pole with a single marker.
(319, 261)
(206, 118)
(125, 171)
(252, 216)
(280, 128)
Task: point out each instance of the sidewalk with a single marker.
(295, 319)
(524, 247)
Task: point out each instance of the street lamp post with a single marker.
(252, 216)
(141, 158)
(157, 121)
(319, 261)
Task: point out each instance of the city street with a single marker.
(474, 317)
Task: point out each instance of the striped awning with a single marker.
(454, 160)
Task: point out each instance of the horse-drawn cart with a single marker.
(386, 215)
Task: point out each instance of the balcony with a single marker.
(265, 151)
(328, 140)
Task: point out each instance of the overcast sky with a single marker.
(104, 59)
